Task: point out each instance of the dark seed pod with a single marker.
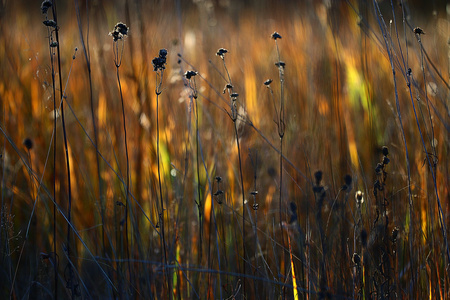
(49, 23)
(418, 31)
(268, 82)
(275, 35)
(318, 176)
(28, 143)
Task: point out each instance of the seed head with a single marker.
(163, 52)
(49, 23)
(280, 64)
(190, 74)
(234, 95)
(221, 52)
(116, 35)
(379, 168)
(359, 198)
(394, 234)
(227, 86)
(160, 61)
(275, 35)
(121, 28)
(45, 6)
(418, 31)
(356, 259)
(318, 175)
(385, 149)
(28, 143)
(268, 82)
(219, 192)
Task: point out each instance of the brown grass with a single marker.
(342, 104)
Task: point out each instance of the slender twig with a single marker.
(234, 116)
(159, 67)
(121, 30)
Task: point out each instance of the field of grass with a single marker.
(225, 149)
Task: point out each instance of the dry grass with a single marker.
(342, 102)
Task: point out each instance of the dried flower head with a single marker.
(49, 23)
(356, 259)
(163, 53)
(385, 149)
(395, 234)
(120, 30)
(318, 175)
(45, 6)
(268, 82)
(221, 52)
(234, 95)
(280, 64)
(219, 192)
(190, 74)
(159, 63)
(359, 197)
(28, 143)
(379, 168)
(227, 86)
(116, 35)
(218, 178)
(418, 31)
(275, 35)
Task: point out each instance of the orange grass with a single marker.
(340, 110)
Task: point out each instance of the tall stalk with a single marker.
(121, 30)
(44, 8)
(234, 116)
(70, 280)
(159, 65)
(87, 57)
(190, 76)
(280, 121)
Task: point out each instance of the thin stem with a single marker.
(71, 284)
(127, 187)
(161, 214)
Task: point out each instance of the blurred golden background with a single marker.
(357, 78)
